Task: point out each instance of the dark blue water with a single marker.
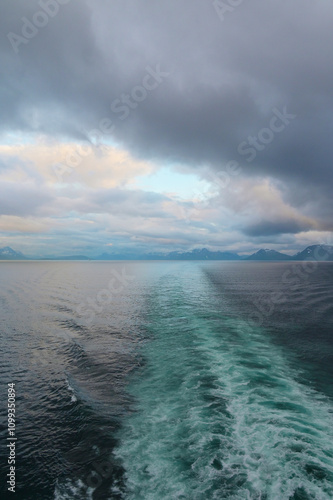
(169, 380)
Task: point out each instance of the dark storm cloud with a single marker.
(225, 81)
(270, 228)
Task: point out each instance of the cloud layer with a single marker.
(95, 94)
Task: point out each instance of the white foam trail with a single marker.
(70, 388)
(221, 413)
(71, 489)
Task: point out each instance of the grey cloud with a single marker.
(23, 199)
(269, 228)
(225, 79)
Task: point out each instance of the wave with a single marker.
(220, 413)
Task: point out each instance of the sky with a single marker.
(147, 126)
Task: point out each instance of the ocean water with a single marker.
(169, 380)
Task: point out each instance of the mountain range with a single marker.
(313, 252)
(7, 253)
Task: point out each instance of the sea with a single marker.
(168, 380)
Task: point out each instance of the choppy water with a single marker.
(179, 380)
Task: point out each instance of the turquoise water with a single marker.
(162, 386)
(220, 411)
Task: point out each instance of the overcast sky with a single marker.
(165, 125)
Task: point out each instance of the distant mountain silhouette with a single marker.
(313, 252)
(316, 252)
(7, 253)
(203, 254)
(68, 257)
(268, 255)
